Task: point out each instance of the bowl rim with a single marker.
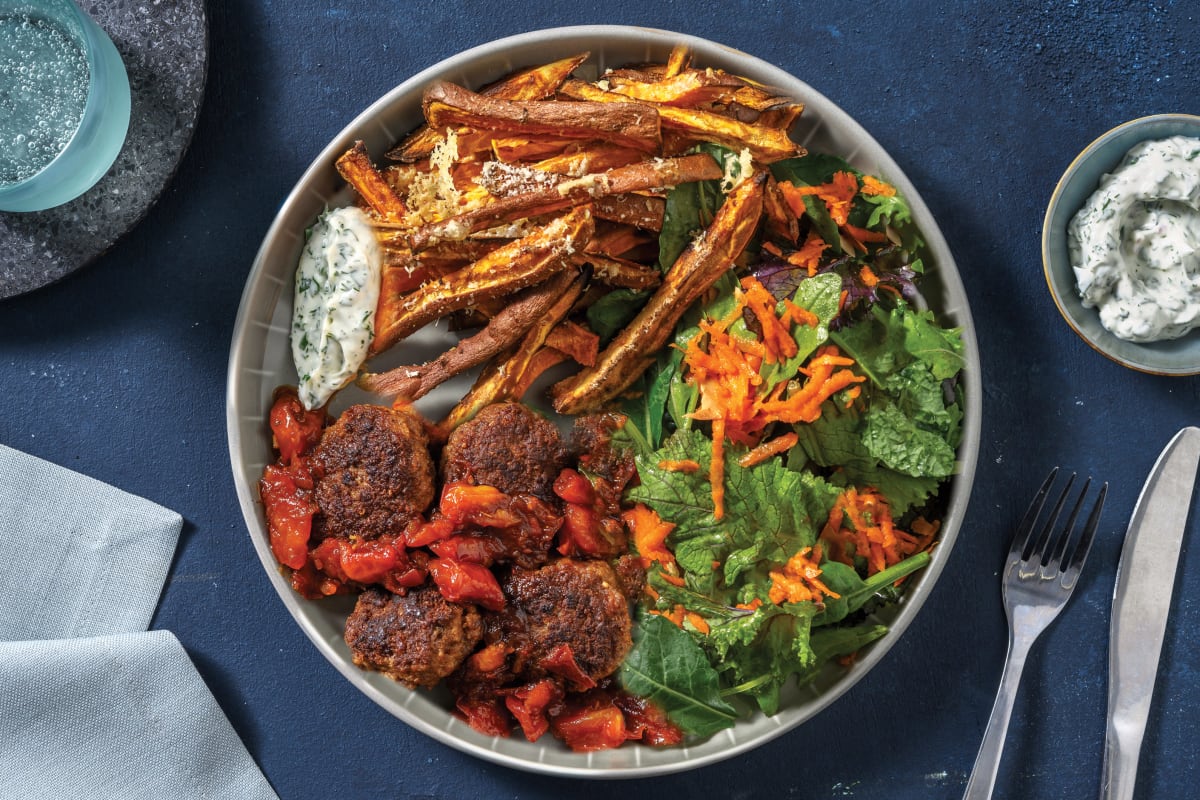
(1101, 344)
(955, 304)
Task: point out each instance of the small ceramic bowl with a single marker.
(1175, 357)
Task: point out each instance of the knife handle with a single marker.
(1120, 762)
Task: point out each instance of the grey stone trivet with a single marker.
(164, 44)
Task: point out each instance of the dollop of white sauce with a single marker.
(1135, 244)
(337, 288)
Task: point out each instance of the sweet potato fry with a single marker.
(448, 105)
(535, 83)
(499, 379)
(641, 176)
(594, 157)
(679, 60)
(505, 270)
(356, 168)
(542, 360)
(781, 115)
(636, 346)
(618, 240)
(639, 210)
(402, 272)
(758, 98)
(767, 145)
(501, 333)
(689, 88)
(778, 217)
(574, 341)
(620, 272)
(510, 149)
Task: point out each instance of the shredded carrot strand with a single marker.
(860, 525)
(797, 315)
(800, 580)
(837, 195)
(649, 534)
(716, 469)
(780, 444)
(809, 254)
(872, 185)
(684, 465)
(776, 335)
(725, 367)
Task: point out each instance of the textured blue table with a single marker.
(119, 372)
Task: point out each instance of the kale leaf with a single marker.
(667, 667)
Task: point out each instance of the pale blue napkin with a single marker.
(91, 704)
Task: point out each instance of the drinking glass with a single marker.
(64, 103)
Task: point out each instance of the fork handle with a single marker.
(987, 763)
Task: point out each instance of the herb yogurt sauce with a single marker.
(1135, 244)
(337, 287)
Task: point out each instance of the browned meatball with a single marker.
(592, 443)
(631, 574)
(416, 639)
(509, 446)
(576, 603)
(376, 472)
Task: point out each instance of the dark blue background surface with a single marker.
(119, 372)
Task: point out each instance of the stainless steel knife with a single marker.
(1141, 603)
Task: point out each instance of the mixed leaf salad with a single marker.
(791, 444)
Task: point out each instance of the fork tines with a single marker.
(1037, 549)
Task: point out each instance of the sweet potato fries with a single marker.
(518, 206)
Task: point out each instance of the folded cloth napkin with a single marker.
(91, 704)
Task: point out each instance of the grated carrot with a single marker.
(800, 580)
(872, 185)
(726, 370)
(862, 520)
(779, 444)
(824, 381)
(837, 195)
(684, 465)
(863, 236)
(799, 315)
(809, 254)
(775, 333)
(716, 468)
(650, 533)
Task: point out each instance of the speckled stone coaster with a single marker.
(164, 44)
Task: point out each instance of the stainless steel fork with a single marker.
(1039, 576)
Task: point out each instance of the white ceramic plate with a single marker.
(260, 360)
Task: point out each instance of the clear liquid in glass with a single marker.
(43, 92)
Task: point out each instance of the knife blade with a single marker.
(1141, 605)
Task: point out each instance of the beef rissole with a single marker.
(376, 474)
